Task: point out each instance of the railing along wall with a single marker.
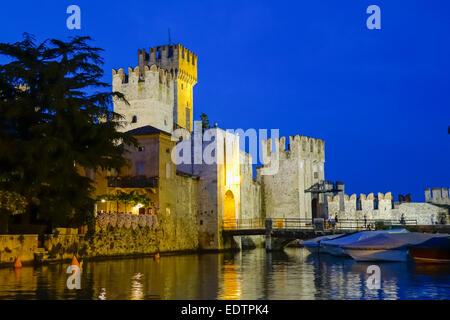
(307, 224)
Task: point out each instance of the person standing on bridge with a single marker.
(331, 221)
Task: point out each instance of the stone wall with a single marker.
(300, 166)
(250, 200)
(124, 235)
(250, 190)
(115, 235)
(424, 213)
(381, 207)
(23, 246)
(437, 195)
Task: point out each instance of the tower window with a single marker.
(134, 119)
(182, 53)
(193, 60)
(140, 168)
(158, 54)
(188, 119)
(188, 57)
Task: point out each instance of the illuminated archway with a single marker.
(229, 211)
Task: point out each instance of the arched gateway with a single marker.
(229, 211)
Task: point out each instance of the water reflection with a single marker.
(292, 274)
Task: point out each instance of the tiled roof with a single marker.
(146, 130)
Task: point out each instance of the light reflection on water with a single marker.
(292, 274)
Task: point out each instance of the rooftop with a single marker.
(146, 130)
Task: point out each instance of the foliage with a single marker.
(55, 122)
(132, 198)
(12, 202)
(205, 121)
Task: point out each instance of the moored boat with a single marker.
(434, 250)
(334, 246)
(386, 247)
(313, 244)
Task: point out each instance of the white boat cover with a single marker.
(351, 238)
(391, 241)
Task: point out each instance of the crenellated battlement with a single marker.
(437, 195)
(176, 59)
(150, 95)
(299, 146)
(134, 76)
(362, 196)
(181, 63)
(364, 203)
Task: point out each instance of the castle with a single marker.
(199, 197)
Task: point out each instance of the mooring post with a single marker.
(268, 234)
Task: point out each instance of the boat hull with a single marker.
(378, 255)
(430, 255)
(333, 250)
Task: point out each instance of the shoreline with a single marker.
(5, 265)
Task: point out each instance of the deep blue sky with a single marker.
(379, 98)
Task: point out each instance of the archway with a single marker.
(315, 206)
(229, 211)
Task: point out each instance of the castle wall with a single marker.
(421, 212)
(250, 189)
(250, 200)
(299, 167)
(215, 180)
(424, 213)
(177, 199)
(150, 98)
(23, 246)
(437, 195)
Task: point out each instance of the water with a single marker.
(292, 274)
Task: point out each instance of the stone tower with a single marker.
(149, 95)
(300, 166)
(182, 65)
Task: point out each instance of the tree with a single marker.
(205, 121)
(55, 121)
(11, 203)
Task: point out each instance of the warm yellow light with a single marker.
(103, 200)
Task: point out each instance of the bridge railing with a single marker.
(290, 223)
(243, 224)
(306, 223)
(369, 224)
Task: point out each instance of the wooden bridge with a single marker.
(280, 231)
